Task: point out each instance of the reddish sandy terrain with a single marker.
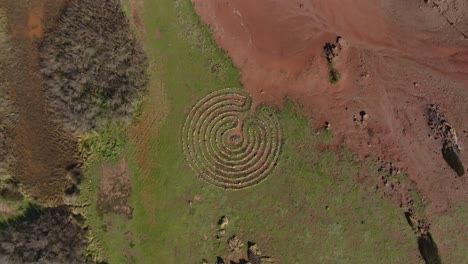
(398, 57)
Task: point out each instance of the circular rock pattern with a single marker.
(229, 146)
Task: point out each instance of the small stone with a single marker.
(222, 231)
(255, 250)
(363, 115)
(223, 222)
(267, 259)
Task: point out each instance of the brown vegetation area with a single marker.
(8, 114)
(43, 151)
(93, 66)
(66, 66)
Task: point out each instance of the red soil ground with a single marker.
(399, 56)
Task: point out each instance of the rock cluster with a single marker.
(441, 129)
(331, 50)
(235, 244)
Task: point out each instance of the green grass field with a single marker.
(309, 210)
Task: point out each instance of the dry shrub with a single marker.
(8, 115)
(93, 65)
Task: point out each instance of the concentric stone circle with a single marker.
(229, 145)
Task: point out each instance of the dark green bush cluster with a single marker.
(43, 235)
(93, 65)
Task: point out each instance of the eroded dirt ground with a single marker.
(115, 189)
(397, 57)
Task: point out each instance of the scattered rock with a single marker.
(355, 120)
(428, 249)
(450, 152)
(419, 226)
(331, 50)
(223, 222)
(341, 42)
(363, 115)
(441, 129)
(253, 248)
(388, 169)
(219, 260)
(255, 256)
(235, 244)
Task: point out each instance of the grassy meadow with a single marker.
(309, 210)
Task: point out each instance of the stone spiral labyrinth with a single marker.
(228, 145)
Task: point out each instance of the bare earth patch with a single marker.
(137, 9)
(35, 25)
(398, 57)
(115, 189)
(388, 69)
(6, 211)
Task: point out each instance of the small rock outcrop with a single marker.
(235, 244)
(441, 129)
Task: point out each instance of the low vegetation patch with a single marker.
(330, 51)
(106, 145)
